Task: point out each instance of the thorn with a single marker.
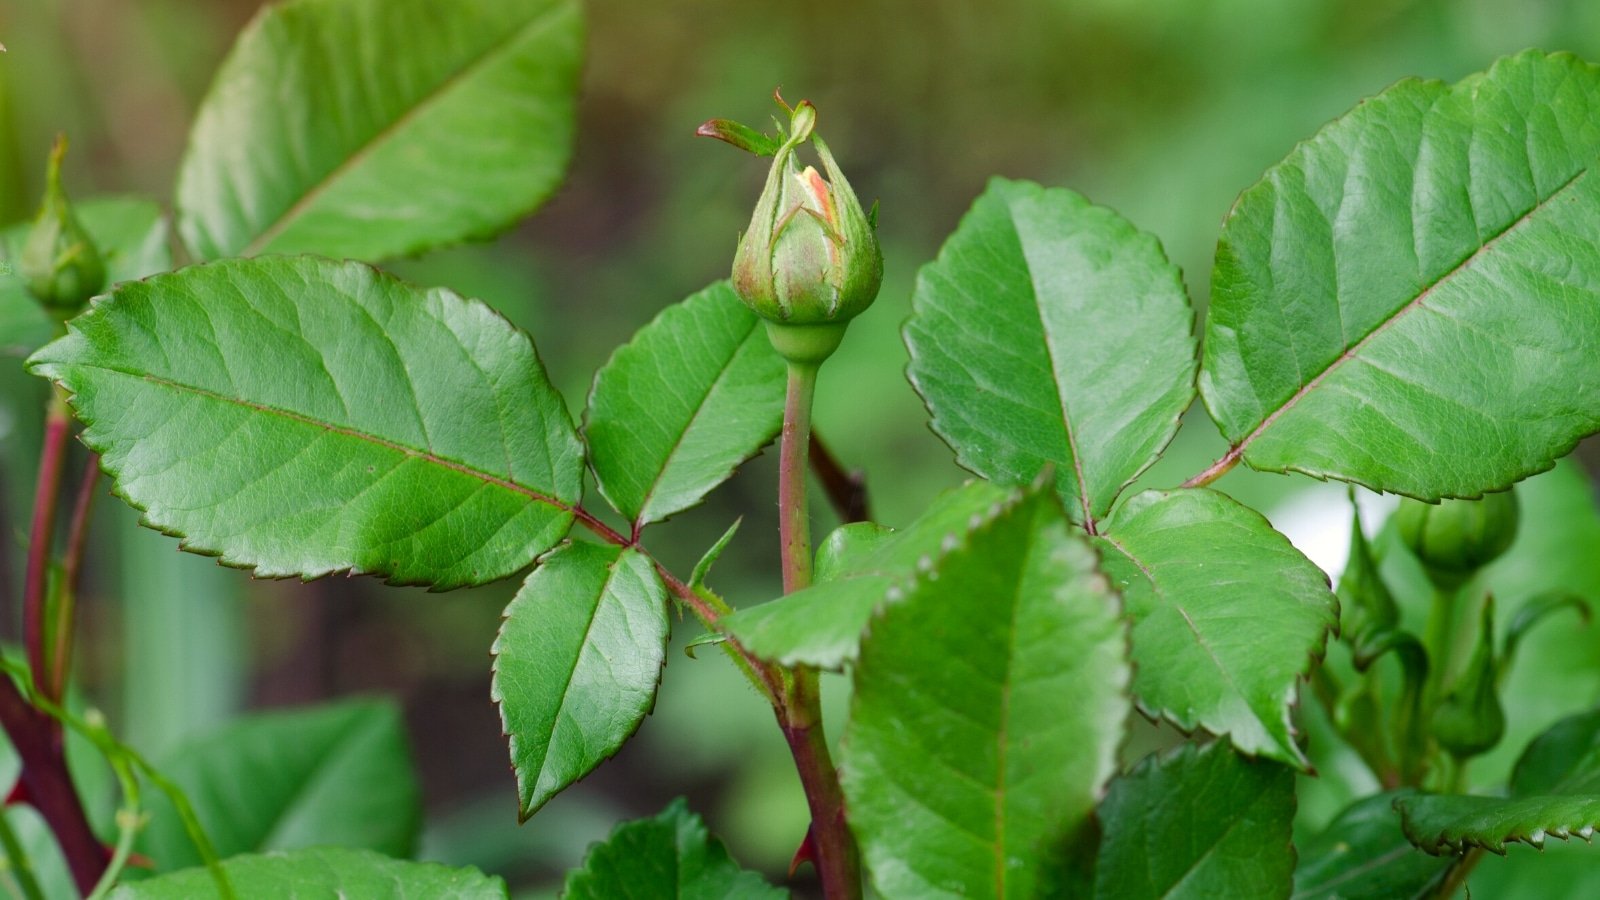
(806, 852)
(19, 795)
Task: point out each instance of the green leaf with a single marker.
(309, 416)
(669, 855)
(1197, 822)
(576, 664)
(1563, 760)
(335, 774)
(1555, 793)
(1227, 615)
(131, 236)
(1363, 855)
(989, 703)
(1451, 824)
(821, 625)
(322, 872)
(1407, 301)
(1052, 332)
(380, 128)
(695, 393)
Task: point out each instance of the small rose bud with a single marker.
(1470, 719)
(1454, 538)
(809, 261)
(59, 261)
(1369, 607)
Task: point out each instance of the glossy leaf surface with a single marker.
(299, 417)
(669, 855)
(861, 564)
(1199, 822)
(338, 774)
(379, 128)
(673, 413)
(989, 703)
(131, 236)
(322, 872)
(1050, 331)
(1227, 615)
(576, 664)
(1408, 301)
(1363, 855)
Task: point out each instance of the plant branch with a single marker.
(847, 490)
(41, 534)
(794, 523)
(833, 848)
(48, 787)
(795, 696)
(71, 575)
(1217, 469)
(1458, 874)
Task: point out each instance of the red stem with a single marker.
(847, 491)
(71, 575)
(47, 785)
(57, 426)
(836, 858)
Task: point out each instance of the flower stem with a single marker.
(57, 426)
(794, 523)
(835, 856)
(71, 574)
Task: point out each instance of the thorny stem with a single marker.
(71, 573)
(57, 426)
(794, 695)
(834, 850)
(44, 781)
(847, 491)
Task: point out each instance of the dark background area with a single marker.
(1161, 109)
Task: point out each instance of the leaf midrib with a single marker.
(643, 517)
(1055, 379)
(424, 455)
(1353, 350)
(1200, 640)
(381, 137)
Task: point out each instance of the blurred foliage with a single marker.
(1161, 109)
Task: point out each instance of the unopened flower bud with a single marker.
(809, 261)
(1454, 538)
(1470, 719)
(59, 261)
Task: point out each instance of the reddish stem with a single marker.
(794, 523)
(1217, 469)
(71, 575)
(57, 427)
(836, 858)
(847, 491)
(48, 786)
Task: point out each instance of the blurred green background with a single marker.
(1161, 109)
